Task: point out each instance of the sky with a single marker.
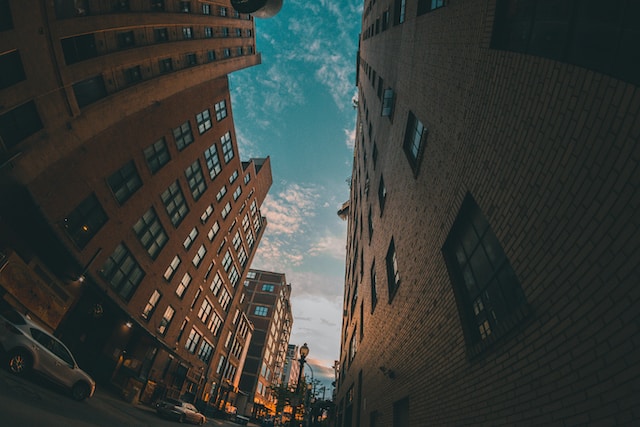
(296, 107)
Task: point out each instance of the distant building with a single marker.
(269, 309)
(492, 253)
(291, 370)
(128, 220)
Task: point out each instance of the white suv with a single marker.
(27, 346)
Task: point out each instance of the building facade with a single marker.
(128, 218)
(269, 309)
(492, 257)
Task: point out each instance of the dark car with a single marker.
(179, 410)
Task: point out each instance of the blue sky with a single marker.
(296, 107)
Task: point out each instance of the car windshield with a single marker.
(173, 402)
(14, 317)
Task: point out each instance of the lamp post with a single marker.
(304, 352)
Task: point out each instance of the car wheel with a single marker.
(19, 362)
(80, 391)
(201, 421)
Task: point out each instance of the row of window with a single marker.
(382, 22)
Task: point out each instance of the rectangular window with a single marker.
(226, 52)
(187, 33)
(157, 155)
(11, 70)
(124, 182)
(167, 317)
(425, 6)
(205, 352)
(6, 20)
(190, 238)
(223, 11)
(205, 311)
(175, 204)
(85, 221)
(261, 311)
(393, 275)
(215, 323)
(234, 276)
(237, 193)
(208, 32)
(122, 272)
(161, 35)
(79, 48)
(192, 341)
(224, 299)
(401, 413)
(387, 103)
(268, 288)
(415, 138)
(216, 284)
(171, 270)
(126, 40)
(211, 55)
(242, 257)
(221, 110)
(213, 161)
(183, 285)
(382, 194)
(227, 147)
(206, 214)
(89, 91)
(206, 9)
(213, 231)
(374, 287)
(199, 256)
(489, 294)
(191, 59)
(183, 135)
(195, 179)
(20, 123)
(133, 75)
(221, 193)
(150, 233)
(151, 305)
(185, 6)
(399, 11)
(166, 65)
(226, 210)
(203, 120)
(250, 239)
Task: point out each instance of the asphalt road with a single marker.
(33, 402)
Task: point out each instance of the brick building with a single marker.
(269, 309)
(492, 255)
(127, 218)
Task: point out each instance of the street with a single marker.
(35, 402)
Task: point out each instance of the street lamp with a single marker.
(304, 352)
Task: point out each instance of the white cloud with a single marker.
(331, 245)
(350, 135)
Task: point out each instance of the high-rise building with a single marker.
(492, 255)
(269, 309)
(128, 220)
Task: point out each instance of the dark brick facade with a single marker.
(548, 152)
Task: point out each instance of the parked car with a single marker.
(27, 346)
(179, 410)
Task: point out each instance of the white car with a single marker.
(28, 346)
(179, 410)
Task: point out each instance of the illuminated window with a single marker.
(84, 222)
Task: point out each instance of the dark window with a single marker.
(89, 91)
(79, 48)
(183, 135)
(151, 234)
(211, 55)
(121, 6)
(370, 223)
(203, 121)
(157, 5)
(425, 6)
(166, 65)
(126, 40)
(157, 155)
(387, 103)
(185, 6)
(382, 194)
(401, 413)
(19, 123)
(133, 75)
(11, 70)
(393, 274)
(195, 178)
(123, 272)
(174, 203)
(6, 21)
(374, 155)
(85, 221)
(374, 287)
(415, 138)
(125, 182)
(192, 59)
(490, 298)
(213, 161)
(161, 34)
(399, 11)
(585, 33)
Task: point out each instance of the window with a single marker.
(126, 40)
(247, 178)
(183, 285)
(374, 291)
(6, 21)
(268, 288)
(195, 179)
(370, 223)
(215, 323)
(205, 352)
(226, 261)
(261, 311)
(125, 182)
(122, 272)
(414, 141)
(157, 155)
(89, 91)
(237, 193)
(85, 221)
(174, 203)
(234, 276)
(224, 299)
(225, 32)
(206, 9)
(161, 35)
(401, 413)
(213, 161)
(425, 6)
(223, 11)
(166, 320)
(171, 270)
(226, 52)
(250, 240)
(387, 103)
(18, 124)
(393, 275)
(185, 6)
(237, 240)
(216, 284)
(382, 194)
(213, 231)
(11, 70)
(192, 341)
(584, 33)
(211, 55)
(242, 257)
(151, 234)
(166, 65)
(190, 238)
(183, 135)
(246, 223)
(221, 193)
(191, 59)
(208, 32)
(489, 294)
(199, 256)
(233, 177)
(205, 311)
(79, 48)
(238, 32)
(227, 147)
(206, 214)
(221, 110)
(226, 210)
(151, 305)
(399, 12)
(203, 120)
